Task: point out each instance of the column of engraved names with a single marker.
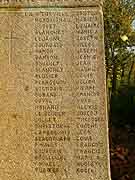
(50, 131)
(88, 116)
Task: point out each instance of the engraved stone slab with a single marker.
(53, 123)
(48, 3)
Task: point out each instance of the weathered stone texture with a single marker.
(53, 121)
(49, 3)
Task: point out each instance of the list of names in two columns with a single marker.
(65, 62)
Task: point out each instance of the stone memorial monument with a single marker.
(53, 116)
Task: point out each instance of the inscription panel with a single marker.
(55, 60)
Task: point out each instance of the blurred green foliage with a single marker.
(120, 60)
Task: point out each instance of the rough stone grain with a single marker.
(53, 122)
(49, 3)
